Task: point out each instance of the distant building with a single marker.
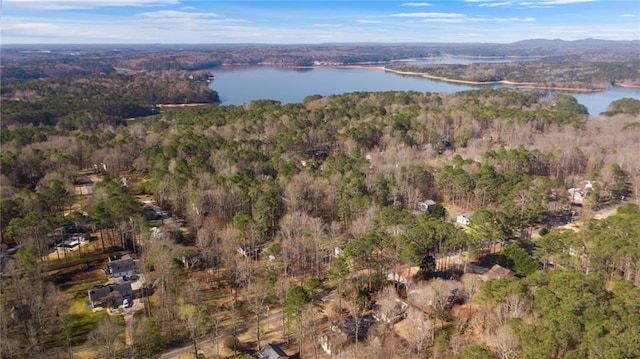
(496, 272)
(391, 315)
(120, 268)
(582, 190)
(464, 219)
(342, 333)
(272, 351)
(427, 206)
(404, 275)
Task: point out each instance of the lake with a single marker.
(237, 85)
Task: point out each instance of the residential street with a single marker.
(244, 330)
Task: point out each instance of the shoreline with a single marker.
(523, 85)
(628, 86)
(190, 104)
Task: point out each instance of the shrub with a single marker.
(232, 343)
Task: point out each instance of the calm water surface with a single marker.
(237, 85)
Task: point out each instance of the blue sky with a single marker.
(311, 22)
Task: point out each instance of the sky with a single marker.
(313, 22)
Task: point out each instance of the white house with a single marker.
(427, 206)
(464, 219)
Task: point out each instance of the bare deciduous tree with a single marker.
(421, 331)
(503, 341)
(256, 294)
(193, 316)
(108, 337)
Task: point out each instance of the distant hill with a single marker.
(584, 42)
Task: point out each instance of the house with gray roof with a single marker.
(427, 206)
(120, 268)
(272, 351)
(111, 294)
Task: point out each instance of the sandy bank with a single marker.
(525, 85)
(193, 104)
(628, 86)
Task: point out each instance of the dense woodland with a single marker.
(550, 72)
(260, 195)
(83, 102)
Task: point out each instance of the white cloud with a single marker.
(30, 27)
(417, 4)
(627, 15)
(531, 4)
(173, 14)
(435, 15)
(17, 30)
(327, 25)
(363, 21)
(136, 30)
(564, 2)
(514, 19)
(444, 21)
(81, 4)
(466, 19)
(440, 17)
(497, 4)
(549, 3)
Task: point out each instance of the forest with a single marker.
(595, 74)
(330, 227)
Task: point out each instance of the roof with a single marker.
(121, 267)
(272, 351)
(497, 271)
(97, 294)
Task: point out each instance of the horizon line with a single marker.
(314, 44)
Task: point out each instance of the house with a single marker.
(157, 233)
(443, 293)
(114, 293)
(427, 206)
(389, 311)
(496, 272)
(317, 156)
(343, 332)
(192, 260)
(73, 243)
(153, 212)
(476, 269)
(248, 251)
(464, 219)
(272, 351)
(578, 194)
(404, 275)
(120, 268)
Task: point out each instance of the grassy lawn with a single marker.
(79, 321)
